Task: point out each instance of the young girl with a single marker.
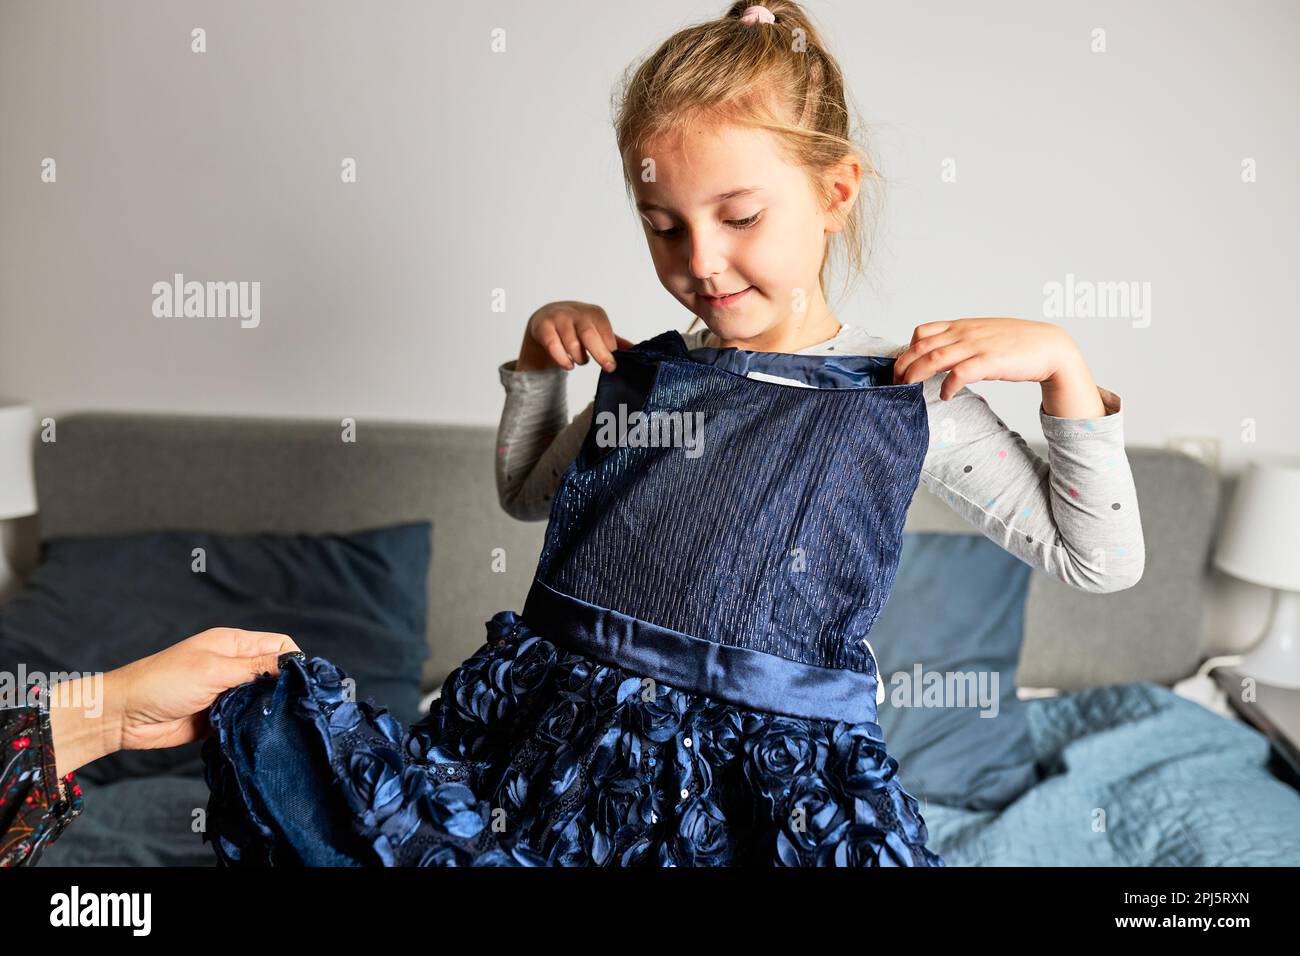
(690, 683)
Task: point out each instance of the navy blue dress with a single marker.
(688, 683)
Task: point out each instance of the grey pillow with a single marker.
(947, 644)
(96, 602)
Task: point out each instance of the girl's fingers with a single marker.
(922, 332)
(918, 350)
(966, 371)
(607, 335)
(549, 337)
(592, 338)
(933, 363)
(560, 354)
(569, 343)
(926, 329)
(569, 336)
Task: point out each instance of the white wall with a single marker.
(482, 171)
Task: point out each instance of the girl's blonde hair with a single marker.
(774, 76)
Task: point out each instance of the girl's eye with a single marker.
(733, 223)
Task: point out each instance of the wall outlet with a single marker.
(1201, 447)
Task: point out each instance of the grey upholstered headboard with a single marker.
(123, 472)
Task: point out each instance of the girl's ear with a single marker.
(842, 183)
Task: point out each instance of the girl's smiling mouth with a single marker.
(722, 301)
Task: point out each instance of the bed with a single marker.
(1136, 773)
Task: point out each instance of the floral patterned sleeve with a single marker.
(35, 803)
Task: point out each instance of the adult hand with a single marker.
(160, 700)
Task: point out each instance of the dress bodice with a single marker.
(735, 518)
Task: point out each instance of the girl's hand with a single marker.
(157, 701)
(562, 333)
(1011, 350)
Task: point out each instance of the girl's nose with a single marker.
(706, 259)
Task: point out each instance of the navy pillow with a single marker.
(956, 609)
(94, 603)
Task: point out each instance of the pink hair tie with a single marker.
(757, 14)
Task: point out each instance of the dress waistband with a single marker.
(749, 679)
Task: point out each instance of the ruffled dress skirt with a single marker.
(536, 755)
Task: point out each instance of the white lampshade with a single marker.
(1260, 540)
(17, 481)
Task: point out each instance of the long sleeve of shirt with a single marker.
(35, 804)
(1074, 516)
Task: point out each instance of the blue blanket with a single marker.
(1137, 776)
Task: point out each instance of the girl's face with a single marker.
(725, 213)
